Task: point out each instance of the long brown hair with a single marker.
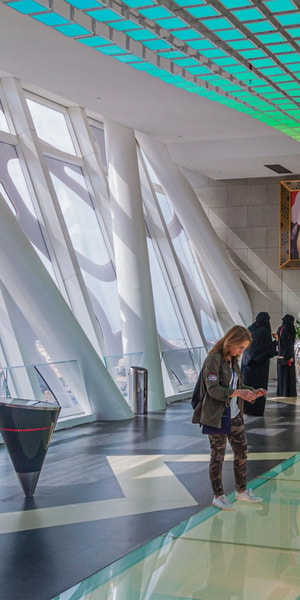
(235, 335)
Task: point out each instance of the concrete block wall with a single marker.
(245, 216)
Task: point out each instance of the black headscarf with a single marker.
(262, 319)
(288, 322)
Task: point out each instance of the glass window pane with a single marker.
(16, 193)
(193, 276)
(98, 134)
(7, 199)
(3, 121)
(90, 247)
(168, 325)
(51, 126)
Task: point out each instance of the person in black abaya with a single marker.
(286, 372)
(256, 361)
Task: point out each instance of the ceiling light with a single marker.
(278, 168)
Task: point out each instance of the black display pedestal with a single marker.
(27, 427)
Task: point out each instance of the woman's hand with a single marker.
(247, 395)
(260, 392)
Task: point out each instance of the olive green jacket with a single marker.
(215, 391)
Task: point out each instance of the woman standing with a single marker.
(286, 372)
(256, 360)
(219, 410)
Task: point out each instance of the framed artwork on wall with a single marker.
(289, 246)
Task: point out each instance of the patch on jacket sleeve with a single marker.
(212, 377)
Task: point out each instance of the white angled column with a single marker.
(33, 290)
(139, 331)
(194, 220)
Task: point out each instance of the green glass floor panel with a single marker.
(190, 569)
(250, 553)
(275, 523)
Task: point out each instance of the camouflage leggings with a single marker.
(238, 441)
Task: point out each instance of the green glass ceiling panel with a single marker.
(186, 62)
(170, 24)
(138, 3)
(218, 81)
(270, 38)
(156, 12)
(201, 44)
(286, 104)
(256, 81)
(225, 62)
(263, 62)
(172, 54)
(248, 79)
(199, 12)
(27, 7)
(264, 89)
(185, 3)
(215, 53)
(235, 70)
(248, 14)
(217, 23)
(128, 58)
(262, 105)
(143, 66)
(294, 113)
(252, 53)
(230, 87)
(287, 120)
(293, 85)
(280, 78)
(242, 45)
(124, 25)
(206, 78)
(294, 32)
(260, 26)
(279, 48)
(72, 30)
(111, 50)
(272, 71)
(288, 58)
(230, 34)
(294, 67)
(157, 44)
(85, 4)
(289, 19)
(243, 95)
(272, 95)
(51, 19)
(168, 77)
(188, 34)
(96, 40)
(104, 14)
(198, 70)
(276, 114)
(235, 3)
(142, 34)
(280, 5)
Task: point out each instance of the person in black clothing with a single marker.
(286, 372)
(256, 360)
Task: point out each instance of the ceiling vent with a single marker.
(278, 168)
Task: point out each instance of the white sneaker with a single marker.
(248, 496)
(222, 502)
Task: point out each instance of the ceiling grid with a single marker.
(241, 53)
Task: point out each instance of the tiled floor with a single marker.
(130, 503)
